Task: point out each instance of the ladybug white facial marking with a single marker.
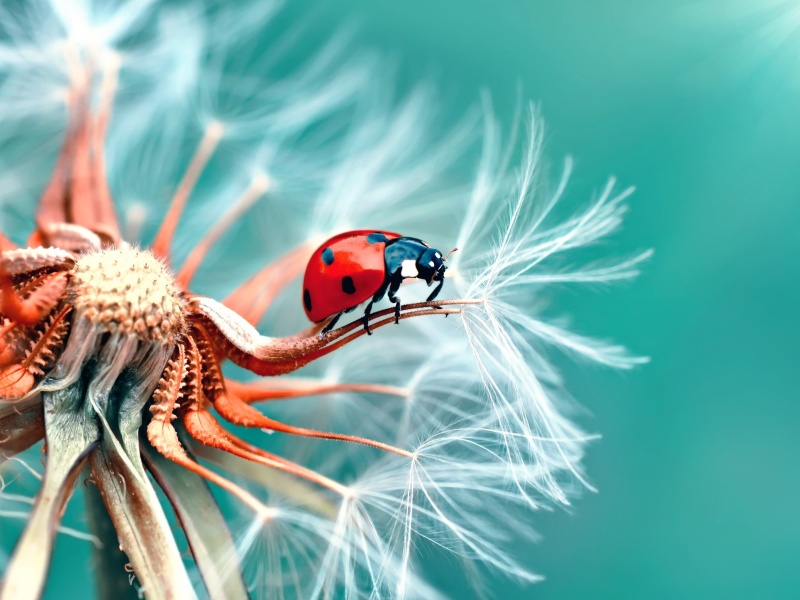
(408, 269)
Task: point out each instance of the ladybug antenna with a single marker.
(449, 253)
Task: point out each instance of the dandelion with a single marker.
(129, 350)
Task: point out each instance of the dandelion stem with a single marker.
(346, 336)
(252, 299)
(95, 210)
(202, 521)
(70, 436)
(108, 562)
(257, 188)
(408, 311)
(284, 389)
(163, 240)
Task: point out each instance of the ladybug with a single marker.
(356, 266)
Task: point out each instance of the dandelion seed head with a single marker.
(129, 291)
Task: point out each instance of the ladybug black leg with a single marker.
(395, 285)
(329, 326)
(435, 293)
(397, 305)
(376, 298)
(367, 312)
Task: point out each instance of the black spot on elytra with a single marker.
(327, 256)
(348, 287)
(307, 300)
(374, 238)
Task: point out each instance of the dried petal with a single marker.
(37, 303)
(25, 260)
(143, 529)
(252, 299)
(21, 424)
(15, 381)
(72, 237)
(70, 436)
(205, 528)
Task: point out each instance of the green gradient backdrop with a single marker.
(698, 105)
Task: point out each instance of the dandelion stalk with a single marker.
(71, 436)
(108, 562)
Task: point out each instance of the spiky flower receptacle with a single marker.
(454, 428)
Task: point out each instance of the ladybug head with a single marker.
(430, 265)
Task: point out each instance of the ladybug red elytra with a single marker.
(356, 266)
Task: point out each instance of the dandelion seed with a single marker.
(115, 354)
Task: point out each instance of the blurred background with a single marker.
(697, 104)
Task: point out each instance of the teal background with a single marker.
(698, 105)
